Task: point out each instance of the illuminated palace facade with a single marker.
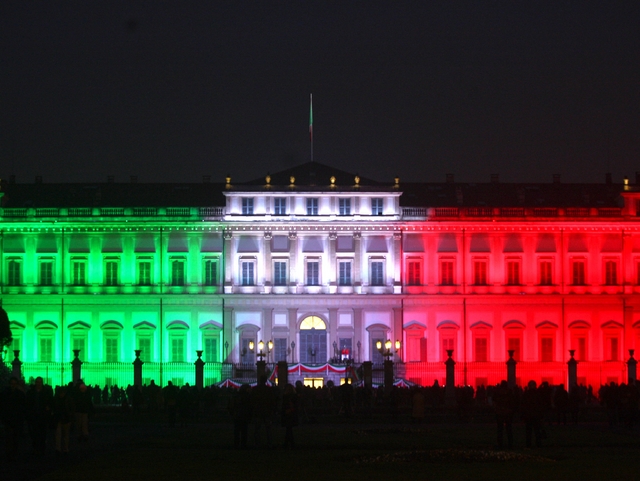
(323, 264)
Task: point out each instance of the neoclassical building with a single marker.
(323, 264)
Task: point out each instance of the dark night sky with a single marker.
(170, 91)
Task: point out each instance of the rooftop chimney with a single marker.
(450, 179)
(495, 178)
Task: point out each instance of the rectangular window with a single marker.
(612, 349)
(177, 272)
(248, 275)
(313, 273)
(581, 349)
(46, 349)
(111, 273)
(79, 272)
(546, 273)
(414, 277)
(46, 272)
(513, 344)
(247, 206)
(312, 206)
(79, 342)
(280, 273)
(513, 272)
(447, 344)
(210, 274)
(446, 272)
(144, 272)
(144, 344)
(610, 273)
(177, 349)
(481, 345)
(546, 349)
(344, 273)
(111, 349)
(578, 269)
(480, 272)
(377, 273)
(280, 349)
(280, 206)
(376, 206)
(210, 349)
(14, 272)
(344, 206)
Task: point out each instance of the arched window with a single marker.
(579, 334)
(111, 334)
(513, 333)
(177, 341)
(79, 331)
(46, 340)
(448, 332)
(145, 337)
(313, 340)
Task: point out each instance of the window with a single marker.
(111, 349)
(247, 354)
(313, 273)
(144, 345)
(247, 273)
(376, 206)
(480, 272)
(447, 345)
(79, 272)
(210, 349)
(546, 349)
(344, 272)
(46, 349)
(612, 348)
(610, 272)
(280, 349)
(446, 272)
(111, 272)
(210, 275)
(414, 275)
(312, 206)
(247, 206)
(46, 272)
(513, 272)
(144, 272)
(578, 268)
(79, 342)
(546, 273)
(580, 346)
(344, 206)
(280, 206)
(513, 344)
(14, 272)
(177, 349)
(177, 272)
(280, 273)
(377, 273)
(482, 350)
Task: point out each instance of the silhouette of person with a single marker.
(12, 410)
(289, 414)
(504, 405)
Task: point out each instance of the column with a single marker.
(397, 262)
(228, 261)
(293, 329)
(332, 264)
(266, 267)
(227, 326)
(293, 262)
(357, 262)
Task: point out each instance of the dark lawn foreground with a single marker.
(354, 450)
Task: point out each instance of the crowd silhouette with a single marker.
(31, 411)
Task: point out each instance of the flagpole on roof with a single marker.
(311, 123)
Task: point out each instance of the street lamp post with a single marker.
(388, 363)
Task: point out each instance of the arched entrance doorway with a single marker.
(313, 340)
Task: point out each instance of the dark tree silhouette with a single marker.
(5, 330)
